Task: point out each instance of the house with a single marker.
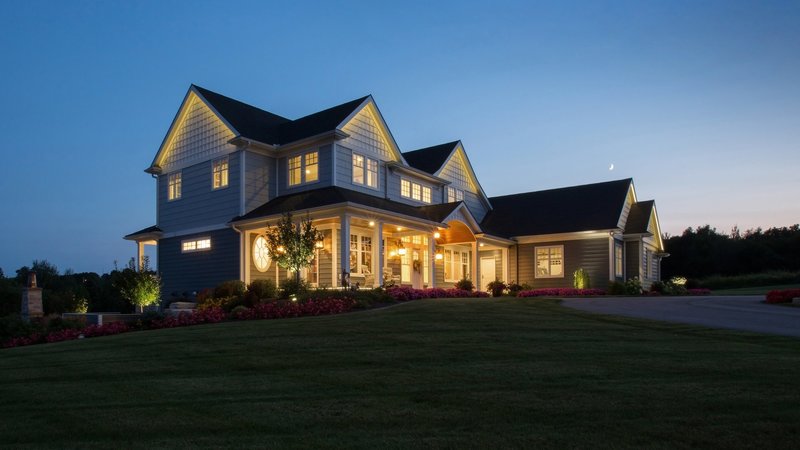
(227, 170)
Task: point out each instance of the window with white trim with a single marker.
(550, 261)
(365, 171)
(196, 245)
(415, 191)
(360, 254)
(618, 260)
(303, 168)
(454, 195)
(645, 263)
(174, 186)
(456, 264)
(219, 173)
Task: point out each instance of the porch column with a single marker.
(504, 256)
(476, 267)
(140, 254)
(431, 261)
(246, 256)
(344, 261)
(377, 239)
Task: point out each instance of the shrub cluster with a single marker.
(283, 309)
(560, 292)
(404, 294)
(783, 295)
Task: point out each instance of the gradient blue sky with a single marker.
(699, 102)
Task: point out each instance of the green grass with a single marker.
(464, 373)
(760, 290)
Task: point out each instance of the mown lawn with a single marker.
(758, 290)
(463, 373)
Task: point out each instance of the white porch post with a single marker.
(345, 244)
(504, 256)
(246, 257)
(431, 261)
(140, 254)
(378, 246)
(476, 267)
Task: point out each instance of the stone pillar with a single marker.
(32, 299)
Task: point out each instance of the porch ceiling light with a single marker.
(439, 256)
(392, 254)
(481, 244)
(372, 223)
(437, 235)
(399, 228)
(401, 251)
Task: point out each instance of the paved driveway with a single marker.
(736, 312)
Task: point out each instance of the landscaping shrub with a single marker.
(699, 291)
(292, 288)
(263, 289)
(284, 308)
(633, 286)
(225, 303)
(782, 295)
(404, 294)
(560, 292)
(616, 288)
(232, 288)
(465, 285)
(580, 279)
(515, 288)
(657, 286)
(496, 287)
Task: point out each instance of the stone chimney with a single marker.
(32, 299)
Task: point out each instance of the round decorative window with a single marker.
(261, 257)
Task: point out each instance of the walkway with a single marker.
(747, 313)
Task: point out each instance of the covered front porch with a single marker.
(367, 249)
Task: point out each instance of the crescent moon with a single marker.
(611, 167)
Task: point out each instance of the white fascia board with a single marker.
(396, 166)
(658, 228)
(575, 236)
(473, 224)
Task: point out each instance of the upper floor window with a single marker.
(219, 173)
(454, 195)
(415, 191)
(618, 271)
(303, 168)
(174, 186)
(196, 245)
(550, 262)
(365, 171)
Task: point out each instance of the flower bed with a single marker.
(560, 292)
(404, 294)
(782, 296)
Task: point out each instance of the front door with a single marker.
(488, 273)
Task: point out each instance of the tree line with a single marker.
(704, 252)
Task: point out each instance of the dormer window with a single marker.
(219, 173)
(174, 186)
(415, 191)
(454, 195)
(303, 168)
(365, 171)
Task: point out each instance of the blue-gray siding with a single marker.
(590, 254)
(259, 186)
(199, 205)
(191, 272)
(325, 159)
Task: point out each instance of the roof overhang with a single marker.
(459, 148)
(384, 127)
(397, 167)
(570, 236)
(151, 236)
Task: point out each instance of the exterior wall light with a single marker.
(401, 251)
(372, 223)
(437, 235)
(439, 256)
(319, 244)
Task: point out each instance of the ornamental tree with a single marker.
(291, 245)
(140, 287)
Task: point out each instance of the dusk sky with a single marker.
(699, 102)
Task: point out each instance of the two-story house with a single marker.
(227, 170)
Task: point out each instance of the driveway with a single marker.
(746, 313)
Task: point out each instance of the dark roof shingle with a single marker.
(578, 208)
(639, 217)
(429, 159)
(334, 195)
(269, 128)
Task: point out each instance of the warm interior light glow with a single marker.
(392, 254)
(399, 228)
(481, 244)
(319, 244)
(401, 251)
(437, 235)
(439, 256)
(281, 249)
(372, 223)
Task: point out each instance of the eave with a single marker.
(397, 167)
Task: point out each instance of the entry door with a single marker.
(487, 273)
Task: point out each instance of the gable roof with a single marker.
(430, 159)
(577, 208)
(639, 217)
(335, 195)
(269, 128)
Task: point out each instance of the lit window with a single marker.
(416, 191)
(645, 263)
(312, 171)
(196, 245)
(174, 186)
(219, 173)
(454, 195)
(360, 254)
(618, 272)
(261, 257)
(456, 265)
(465, 265)
(426, 194)
(405, 188)
(358, 169)
(448, 265)
(372, 173)
(550, 262)
(295, 171)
